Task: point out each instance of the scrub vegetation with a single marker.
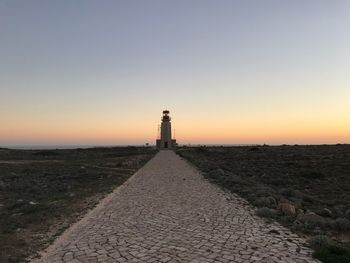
(44, 192)
(305, 188)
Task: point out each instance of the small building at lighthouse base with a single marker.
(166, 144)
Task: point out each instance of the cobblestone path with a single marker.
(167, 212)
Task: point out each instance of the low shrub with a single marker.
(347, 214)
(333, 254)
(341, 224)
(287, 192)
(320, 241)
(266, 212)
(287, 219)
(328, 251)
(312, 174)
(266, 202)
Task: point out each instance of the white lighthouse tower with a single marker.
(165, 141)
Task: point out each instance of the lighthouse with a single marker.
(165, 141)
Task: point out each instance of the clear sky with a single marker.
(101, 72)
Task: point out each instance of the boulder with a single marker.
(287, 208)
(312, 218)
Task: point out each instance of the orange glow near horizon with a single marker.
(218, 132)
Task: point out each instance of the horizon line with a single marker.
(87, 146)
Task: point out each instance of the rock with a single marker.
(311, 217)
(325, 212)
(287, 209)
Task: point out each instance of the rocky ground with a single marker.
(42, 192)
(306, 188)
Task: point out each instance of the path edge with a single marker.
(43, 254)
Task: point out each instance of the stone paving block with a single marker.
(168, 212)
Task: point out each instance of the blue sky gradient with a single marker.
(67, 67)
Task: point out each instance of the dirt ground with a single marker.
(42, 192)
